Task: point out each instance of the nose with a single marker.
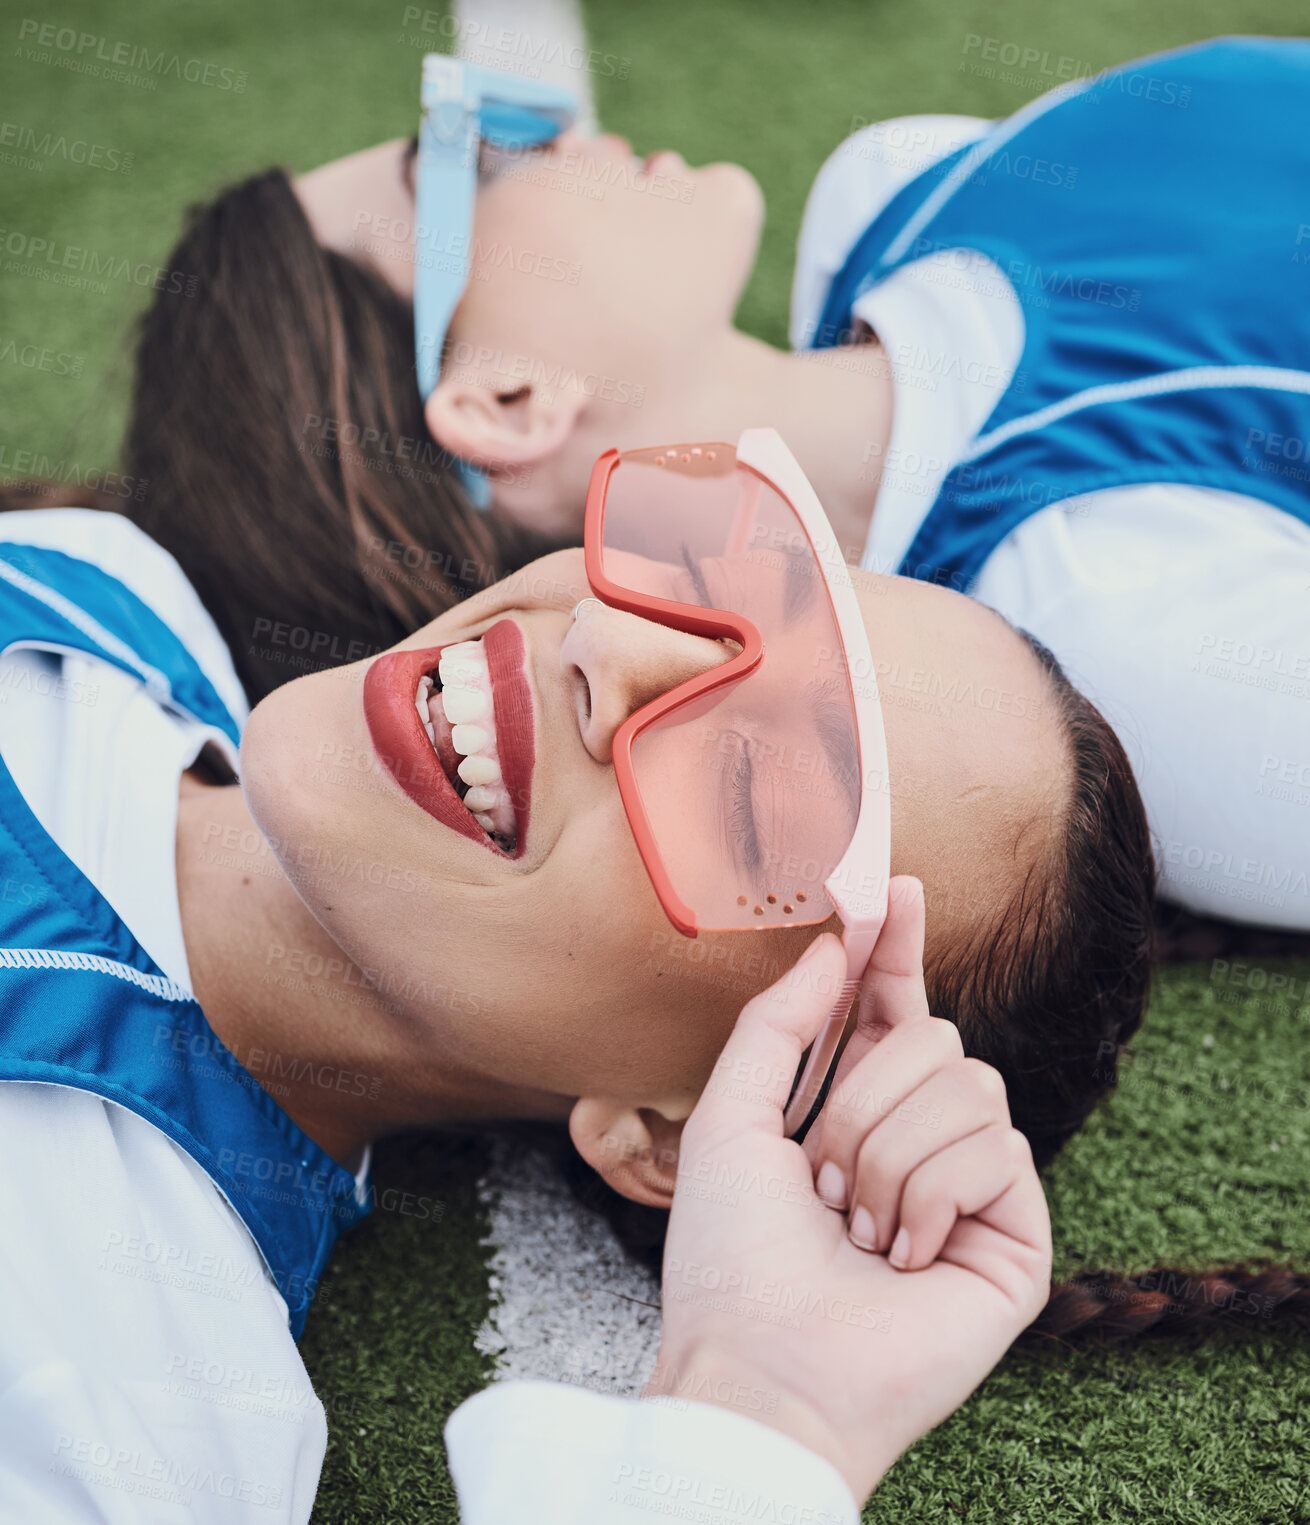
(614, 662)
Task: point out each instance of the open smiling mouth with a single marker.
(454, 726)
(455, 706)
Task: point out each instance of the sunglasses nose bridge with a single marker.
(626, 663)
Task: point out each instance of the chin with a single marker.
(738, 191)
(738, 204)
(278, 785)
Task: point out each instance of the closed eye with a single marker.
(741, 813)
(697, 576)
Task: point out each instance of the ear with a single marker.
(634, 1149)
(501, 426)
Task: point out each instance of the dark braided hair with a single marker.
(1104, 1306)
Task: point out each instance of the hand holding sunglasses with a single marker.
(770, 1307)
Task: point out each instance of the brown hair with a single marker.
(1050, 996)
(1052, 989)
(278, 439)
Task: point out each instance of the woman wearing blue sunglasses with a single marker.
(590, 304)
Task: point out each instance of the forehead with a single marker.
(362, 206)
(963, 650)
(971, 715)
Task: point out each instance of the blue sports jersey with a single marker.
(81, 1002)
(1165, 290)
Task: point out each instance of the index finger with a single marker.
(753, 1076)
(892, 991)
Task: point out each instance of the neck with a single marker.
(336, 1055)
(832, 407)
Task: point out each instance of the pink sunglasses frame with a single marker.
(858, 885)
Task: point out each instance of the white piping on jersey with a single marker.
(154, 680)
(1193, 378)
(981, 151)
(63, 958)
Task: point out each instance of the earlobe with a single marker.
(634, 1149)
(500, 427)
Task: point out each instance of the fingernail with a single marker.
(831, 1184)
(899, 1253)
(863, 1230)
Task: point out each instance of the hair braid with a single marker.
(1099, 1307)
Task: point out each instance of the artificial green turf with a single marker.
(1202, 1154)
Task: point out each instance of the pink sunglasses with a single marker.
(756, 791)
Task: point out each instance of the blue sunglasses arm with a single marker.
(464, 106)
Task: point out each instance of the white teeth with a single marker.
(462, 665)
(462, 675)
(479, 770)
(466, 702)
(468, 739)
(421, 705)
(463, 704)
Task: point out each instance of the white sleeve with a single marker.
(146, 1368)
(125, 551)
(561, 1455)
(1182, 613)
(858, 179)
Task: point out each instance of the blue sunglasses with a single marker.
(463, 108)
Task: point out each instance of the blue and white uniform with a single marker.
(167, 1222)
(1097, 315)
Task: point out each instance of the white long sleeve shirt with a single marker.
(147, 1372)
(1183, 613)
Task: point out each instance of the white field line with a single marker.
(532, 37)
(570, 1306)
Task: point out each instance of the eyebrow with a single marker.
(799, 583)
(835, 724)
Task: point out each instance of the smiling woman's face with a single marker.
(571, 978)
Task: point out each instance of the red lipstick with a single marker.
(402, 744)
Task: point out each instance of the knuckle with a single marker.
(986, 1081)
(947, 1036)
(920, 1194)
(880, 1163)
(1020, 1151)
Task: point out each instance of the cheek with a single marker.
(356, 851)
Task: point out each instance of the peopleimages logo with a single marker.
(92, 53)
(19, 141)
(525, 53)
(48, 259)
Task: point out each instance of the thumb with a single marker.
(754, 1073)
